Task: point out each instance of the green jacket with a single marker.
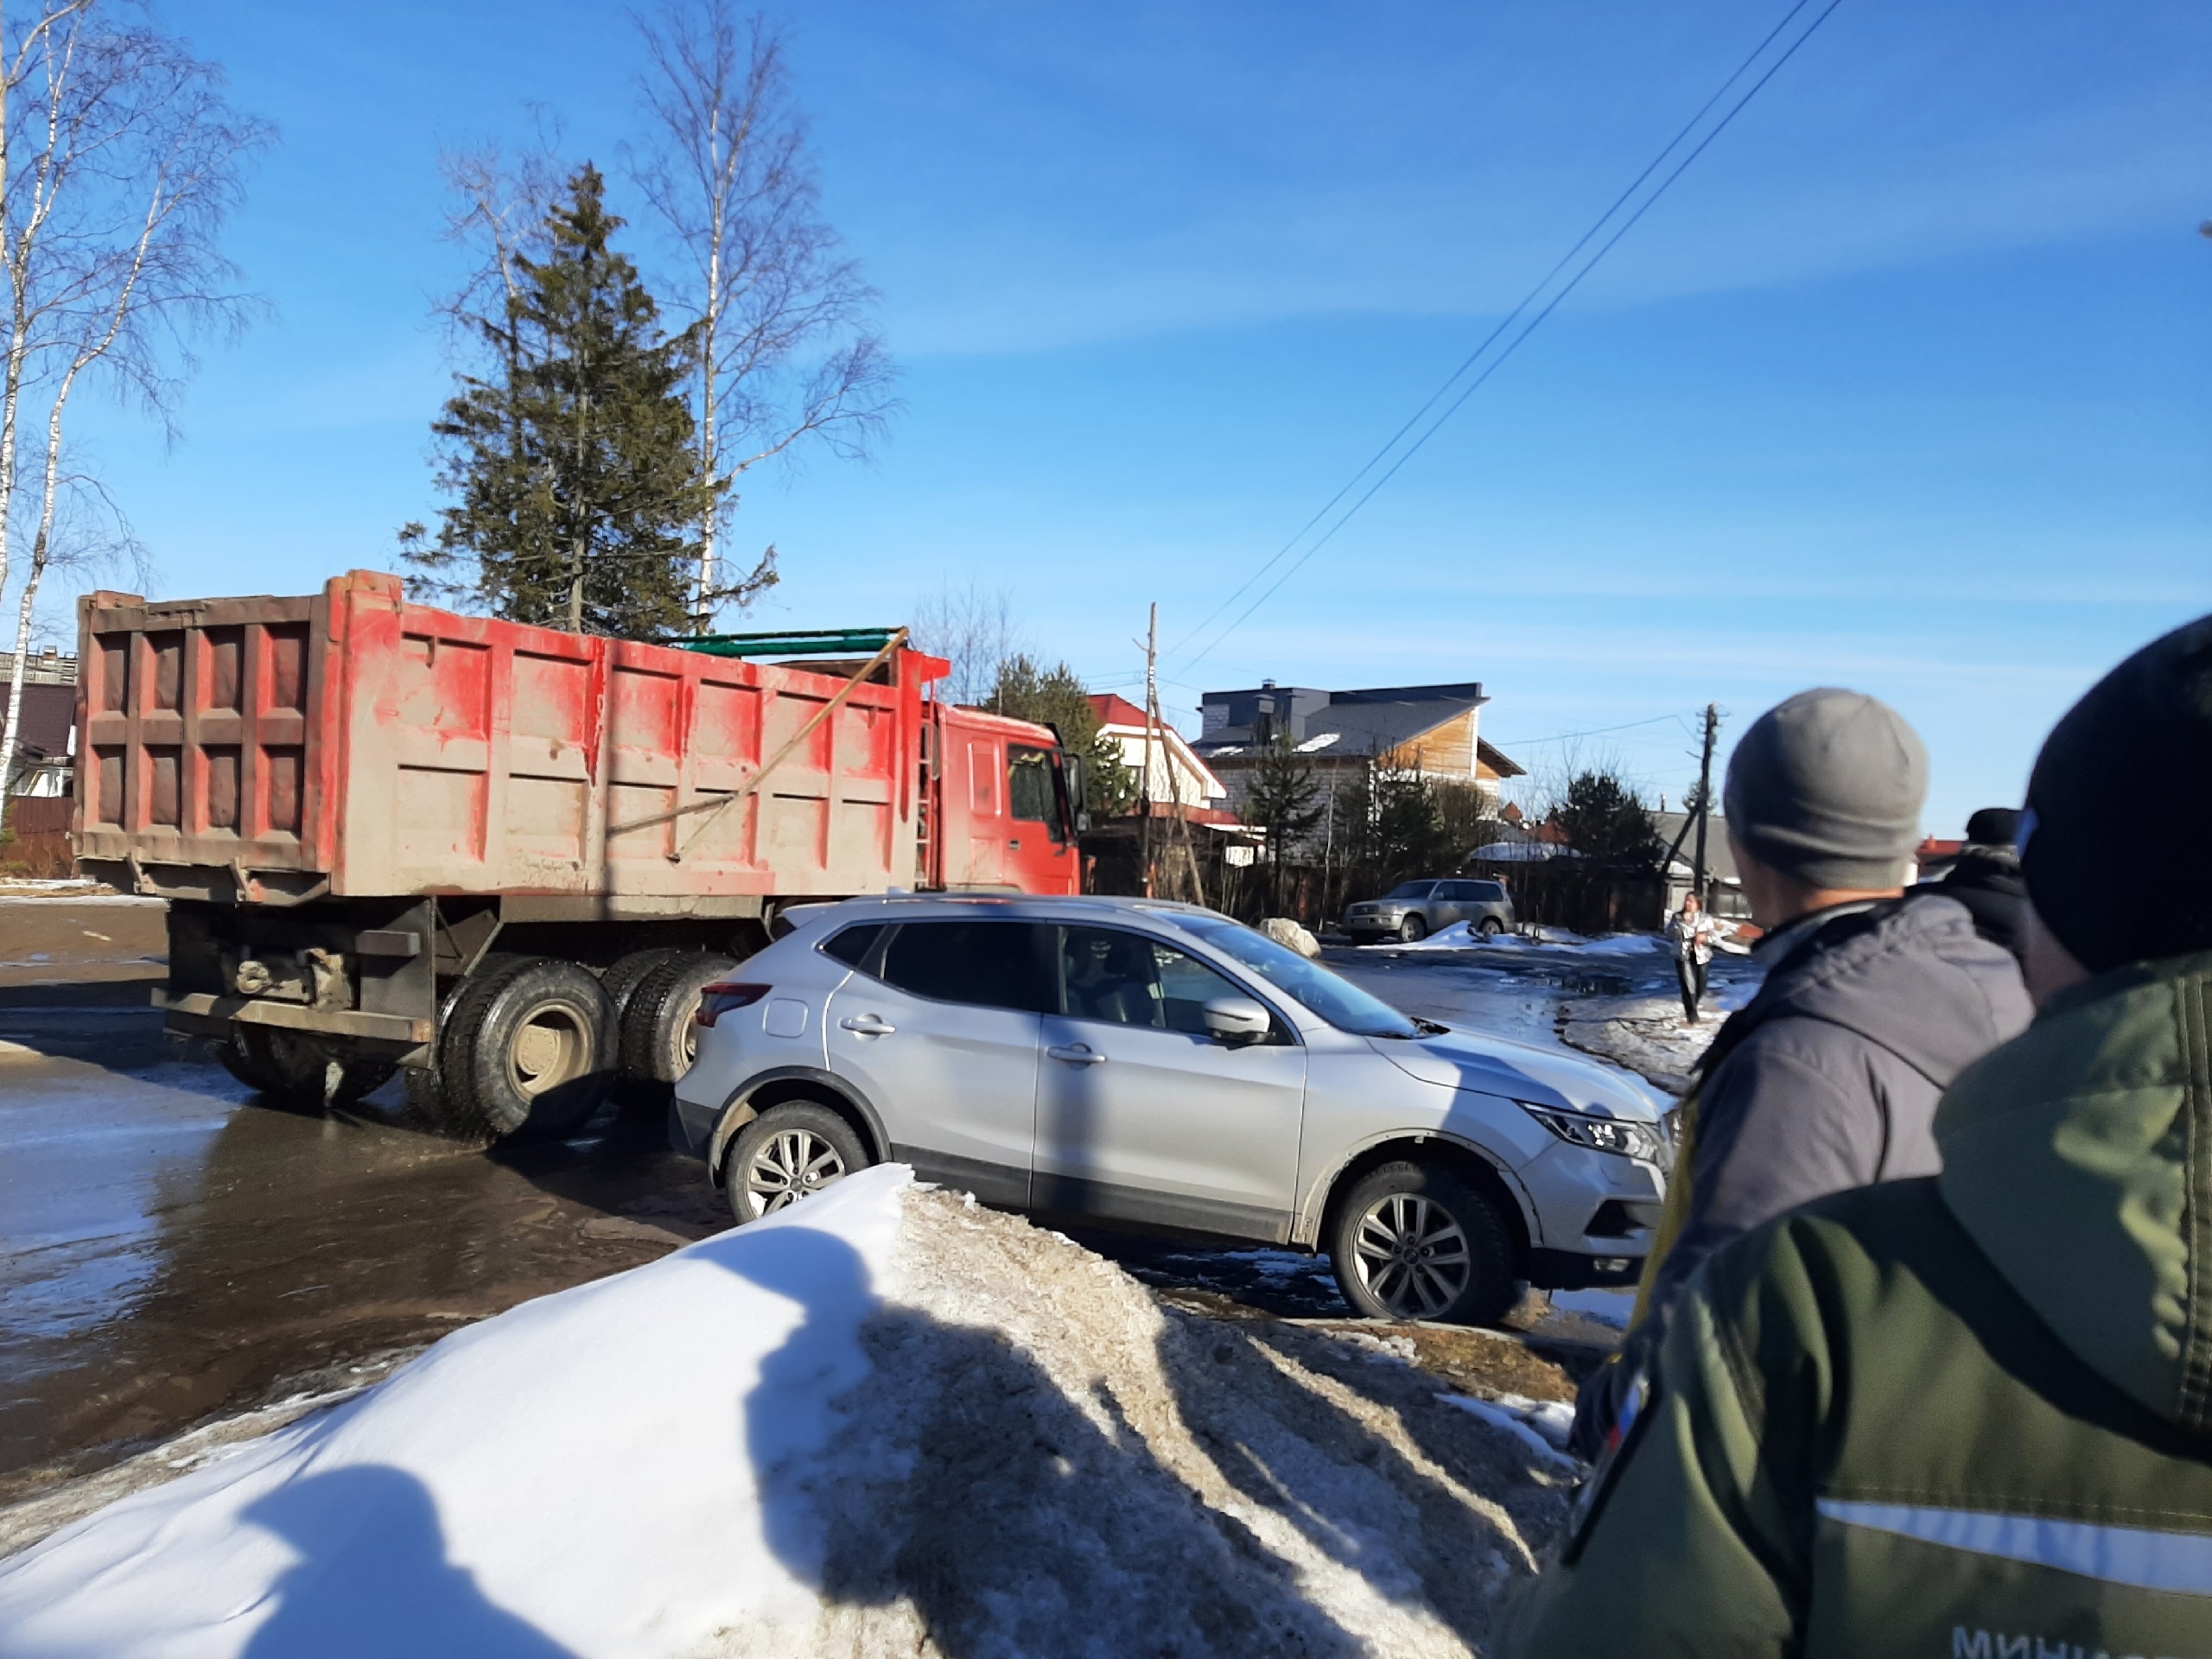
(1968, 1416)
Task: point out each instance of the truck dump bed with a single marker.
(353, 743)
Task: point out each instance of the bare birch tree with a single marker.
(119, 161)
(973, 629)
(788, 354)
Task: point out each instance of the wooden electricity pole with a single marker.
(1705, 795)
(1151, 716)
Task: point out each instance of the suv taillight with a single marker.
(719, 999)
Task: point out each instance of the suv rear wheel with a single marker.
(789, 1152)
(1415, 1241)
(1492, 927)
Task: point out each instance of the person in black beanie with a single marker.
(2129, 766)
(1987, 878)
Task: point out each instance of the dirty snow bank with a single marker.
(885, 1421)
(1460, 936)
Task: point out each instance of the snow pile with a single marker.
(884, 1422)
(1461, 936)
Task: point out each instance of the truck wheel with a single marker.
(531, 1050)
(293, 1070)
(1413, 928)
(1416, 1241)
(660, 1042)
(789, 1152)
(622, 979)
(1492, 927)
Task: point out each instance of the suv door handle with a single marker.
(868, 1025)
(1077, 1054)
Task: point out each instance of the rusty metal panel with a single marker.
(397, 748)
(194, 731)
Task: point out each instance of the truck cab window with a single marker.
(1029, 787)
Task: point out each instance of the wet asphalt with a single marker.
(174, 1248)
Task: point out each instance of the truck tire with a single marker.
(660, 1042)
(789, 1152)
(291, 1069)
(622, 979)
(1414, 929)
(1416, 1241)
(530, 1050)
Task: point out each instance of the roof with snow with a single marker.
(1371, 721)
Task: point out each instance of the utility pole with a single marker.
(1151, 727)
(1704, 794)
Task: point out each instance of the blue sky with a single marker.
(1906, 386)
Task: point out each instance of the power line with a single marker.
(1490, 339)
(1568, 737)
(1550, 306)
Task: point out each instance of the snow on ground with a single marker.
(1613, 1307)
(1460, 935)
(884, 1422)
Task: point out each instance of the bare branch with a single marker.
(787, 350)
(120, 161)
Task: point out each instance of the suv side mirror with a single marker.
(1237, 1019)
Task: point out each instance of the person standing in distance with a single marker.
(1693, 932)
(1827, 1078)
(1969, 1414)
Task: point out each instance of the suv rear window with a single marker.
(991, 964)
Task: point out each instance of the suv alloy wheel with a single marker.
(1414, 1241)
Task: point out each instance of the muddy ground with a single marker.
(173, 1251)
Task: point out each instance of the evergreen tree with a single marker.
(1285, 801)
(1604, 820)
(1055, 697)
(577, 489)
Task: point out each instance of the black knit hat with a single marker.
(2113, 841)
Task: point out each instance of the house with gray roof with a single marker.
(1432, 730)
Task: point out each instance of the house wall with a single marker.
(1445, 751)
(1189, 785)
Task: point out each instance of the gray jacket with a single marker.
(1827, 1079)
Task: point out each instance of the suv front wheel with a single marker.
(789, 1152)
(1415, 1241)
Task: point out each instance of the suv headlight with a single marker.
(1624, 1136)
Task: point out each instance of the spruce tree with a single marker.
(577, 492)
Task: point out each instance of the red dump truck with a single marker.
(507, 858)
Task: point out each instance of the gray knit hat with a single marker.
(1827, 787)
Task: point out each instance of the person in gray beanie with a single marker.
(1873, 1002)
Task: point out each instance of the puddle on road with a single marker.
(174, 1248)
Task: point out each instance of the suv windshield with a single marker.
(1410, 890)
(1338, 1001)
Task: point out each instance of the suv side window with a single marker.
(1489, 892)
(993, 965)
(851, 944)
(1459, 893)
(1126, 979)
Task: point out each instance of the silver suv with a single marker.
(1154, 1063)
(1414, 910)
